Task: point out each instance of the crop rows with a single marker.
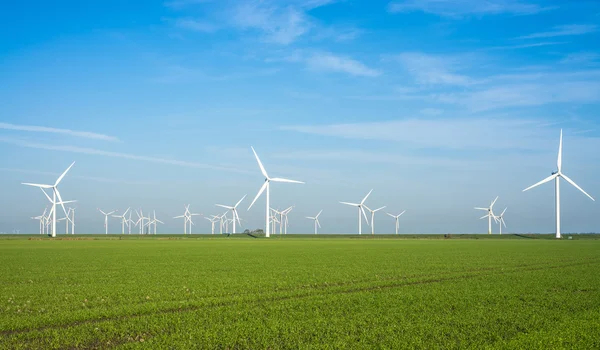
(325, 293)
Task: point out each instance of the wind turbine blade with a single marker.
(47, 196)
(112, 212)
(482, 208)
(308, 217)
(379, 208)
(576, 186)
(262, 168)
(319, 214)
(504, 211)
(224, 206)
(101, 211)
(240, 201)
(262, 189)
(549, 178)
(159, 221)
(559, 160)
(278, 179)
(364, 214)
(483, 217)
(60, 199)
(402, 213)
(318, 223)
(63, 174)
(390, 215)
(494, 202)
(125, 213)
(367, 196)
(502, 220)
(36, 185)
(352, 204)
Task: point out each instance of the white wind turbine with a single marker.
(233, 210)
(106, 215)
(284, 218)
(360, 210)
(556, 177)
(316, 219)
(130, 222)
(123, 220)
(140, 220)
(41, 219)
(500, 220)
(213, 220)
(373, 217)
(490, 215)
(55, 196)
(72, 219)
(266, 186)
(396, 217)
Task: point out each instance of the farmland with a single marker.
(300, 292)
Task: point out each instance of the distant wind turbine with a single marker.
(396, 217)
(55, 195)
(373, 218)
(106, 215)
(123, 220)
(316, 219)
(490, 215)
(500, 219)
(234, 212)
(556, 177)
(266, 186)
(360, 210)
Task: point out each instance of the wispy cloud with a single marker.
(524, 46)
(564, 30)
(579, 58)
(91, 178)
(44, 129)
(461, 8)
(196, 25)
(331, 62)
(281, 25)
(442, 133)
(431, 70)
(97, 152)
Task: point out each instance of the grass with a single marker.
(293, 292)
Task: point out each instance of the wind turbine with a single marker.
(556, 177)
(130, 222)
(266, 186)
(55, 195)
(140, 220)
(233, 211)
(213, 220)
(396, 218)
(360, 210)
(284, 218)
(41, 220)
(123, 220)
(72, 219)
(490, 215)
(316, 219)
(500, 219)
(155, 221)
(373, 218)
(106, 215)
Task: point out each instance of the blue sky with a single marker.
(439, 106)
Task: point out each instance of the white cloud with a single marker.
(564, 30)
(581, 58)
(44, 129)
(460, 8)
(331, 62)
(442, 133)
(431, 70)
(279, 25)
(524, 46)
(92, 178)
(196, 25)
(97, 152)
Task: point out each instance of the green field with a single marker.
(218, 292)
